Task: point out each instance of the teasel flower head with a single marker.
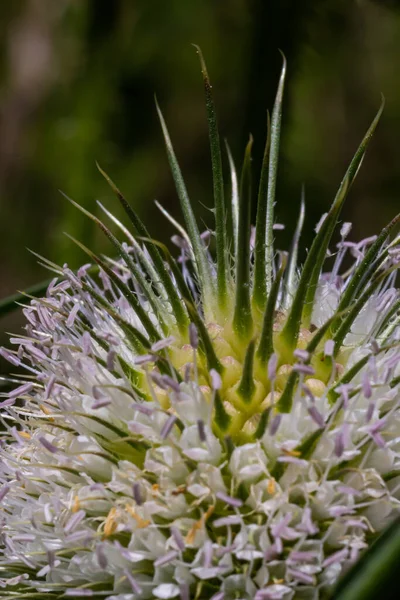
(221, 425)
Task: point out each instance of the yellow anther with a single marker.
(110, 524)
(141, 523)
(208, 513)
(76, 505)
(46, 411)
(271, 486)
(193, 530)
(25, 435)
(179, 490)
(198, 525)
(295, 453)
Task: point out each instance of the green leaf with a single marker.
(355, 310)
(234, 207)
(290, 278)
(285, 402)
(221, 417)
(158, 308)
(303, 301)
(260, 273)
(330, 222)
(125, 291)
(134, 336)
(376, 573)
(179, 228)
(266, 345)
(349, 375)
(309, 444)
(389, 323)
(395, 381)
(332, 395)
(247, 386)
(142, 231)
(206, 342)
(218, 183)
(370, 262)
(272, 176)
(262, 425)
(203, 267)
(142, 258)
(242, 319)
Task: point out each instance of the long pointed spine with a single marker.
(145, 286)
(368, 262)
(218, 184)
(260, 273)
(207, 345)
(247, 386)
(356, 308)
(290, 278)
(203, 267)
(330, 223)
(303, 301)
(141, 230)
(125, 291)
(234, 206)
(272, 176)
(285, 402)
(242, 319)
(266, 346)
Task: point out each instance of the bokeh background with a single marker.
(77, 84)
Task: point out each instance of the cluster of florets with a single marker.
(182, 432)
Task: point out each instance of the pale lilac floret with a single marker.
(154, 449)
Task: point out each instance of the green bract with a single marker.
(205, 427)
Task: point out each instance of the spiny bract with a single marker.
(204, 428)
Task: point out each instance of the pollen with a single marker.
(110, 524)
(141, 523)
(271, 487)
(76, 504)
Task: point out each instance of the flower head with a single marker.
(205, 427)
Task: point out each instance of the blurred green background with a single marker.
(77, 84)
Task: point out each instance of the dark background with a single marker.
(77, 84)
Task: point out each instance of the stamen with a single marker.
(166, 559)
(193, 336)
(235, 502)
(167, 427)
(216, 380)
(201, 430)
